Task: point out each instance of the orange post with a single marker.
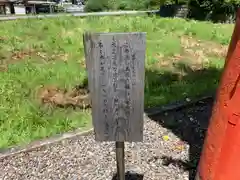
(220, 159)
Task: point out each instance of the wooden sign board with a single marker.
(116, 71)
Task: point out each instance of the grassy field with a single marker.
(184, 59)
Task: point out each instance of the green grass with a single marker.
(22, 119)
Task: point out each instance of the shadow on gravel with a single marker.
(130, 176)
(189, 123)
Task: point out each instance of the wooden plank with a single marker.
(115, 64)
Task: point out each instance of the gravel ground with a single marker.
(170, 151)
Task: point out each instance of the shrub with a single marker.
(214, 9)
(96, 5)
(102, 5)
(199, 9)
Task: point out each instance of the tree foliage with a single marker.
(104, 5)
(207, 9)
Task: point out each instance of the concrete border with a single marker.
(8, 18)
(43, 142)
(177, 105)
(68, 135)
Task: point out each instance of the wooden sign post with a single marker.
(116, 71)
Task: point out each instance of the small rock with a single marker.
(188, 99)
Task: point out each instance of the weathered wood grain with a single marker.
(115, 64)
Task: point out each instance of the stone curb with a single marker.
(43, 142)
(177, 105)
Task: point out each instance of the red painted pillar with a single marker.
(220, 159)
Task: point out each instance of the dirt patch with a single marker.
(7, 58)
(18, 55)
(207, 48)
(2, 39)
(77, 97)
(3, 68)
(175, 63)
(46, 57)
(195, 53)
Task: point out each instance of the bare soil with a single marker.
(77, 97)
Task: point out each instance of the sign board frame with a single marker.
(116, 72)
